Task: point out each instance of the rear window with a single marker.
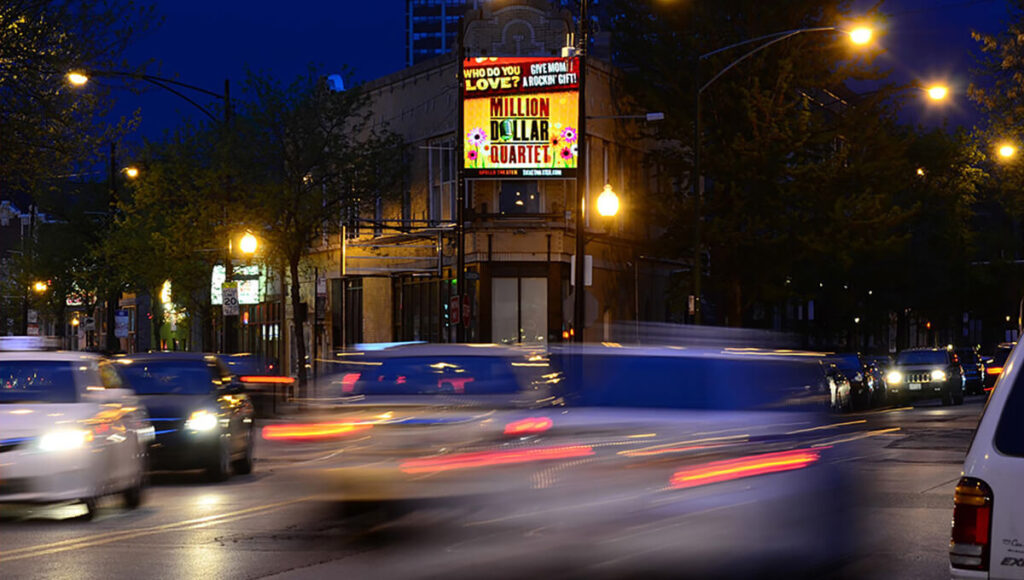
(847, 362)
(1010, 431)
(967, 355)
(922, 357)
(39, 381)
(1000, 356)
(433, 376)
(698, 383)
(169, 377)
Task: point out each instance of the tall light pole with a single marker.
(860, 35)
(81, 77)
(582, 169)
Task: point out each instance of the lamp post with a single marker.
(859, 35)
(80, 78)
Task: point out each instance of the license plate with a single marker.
(914, 386)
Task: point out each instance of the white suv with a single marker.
(988, 516)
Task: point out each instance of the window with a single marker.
(441, 159)
(520, 310)
(519, 197)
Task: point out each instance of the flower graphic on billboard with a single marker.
(476, 138)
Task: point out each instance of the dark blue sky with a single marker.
(202, 42)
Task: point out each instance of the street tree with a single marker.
(300, 157)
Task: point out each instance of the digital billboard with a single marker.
(520, 117)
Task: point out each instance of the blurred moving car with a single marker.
(69, 430)
(202, 416)
(838, 387)
(866, 387)
(666, 458)
(985, 540)
(973, 369)
(921, 373)
(994, 367)
(265, 386)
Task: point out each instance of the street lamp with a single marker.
(937, 92)
(608, 202)
(859, 35)
(248, 244)
(39, 287)
(1007, 150)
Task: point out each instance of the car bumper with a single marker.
(28, 476)
(927, 390)
(181, 449)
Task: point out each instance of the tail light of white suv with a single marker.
(972, 524)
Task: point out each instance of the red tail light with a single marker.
(264, 379)
(528, 426)
(972, 524)
(348, 382)
(441, 463)
(729, 469)
(994, 370)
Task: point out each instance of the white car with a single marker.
(988, 517)
(68, 430)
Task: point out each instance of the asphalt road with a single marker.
(271, 524)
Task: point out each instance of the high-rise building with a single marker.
(432, 27)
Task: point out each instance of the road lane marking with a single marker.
(106, 538)
(832, 426)
(859, 436)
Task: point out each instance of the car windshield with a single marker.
(1000, 356)
(921, 357)
(458, 375)
(168, 377)
(38, 382)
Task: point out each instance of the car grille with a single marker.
(919, 377)
(165, 425)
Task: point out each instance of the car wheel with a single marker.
(91, 509)
(947, 397)
(958, 396)
(243, 466)
(220, 464)
(133, 495)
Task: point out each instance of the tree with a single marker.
(45, 127)
(299, 156)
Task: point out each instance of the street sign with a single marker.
(229, 298)
(453, 309)
(121, 323)
(588, 270)
(465, 310)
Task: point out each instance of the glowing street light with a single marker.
(861, 35)
(78, 79)
(608, 202)
(937, 92)
(1007, 150)
(248, 244)
(40, 287)
(132, 172)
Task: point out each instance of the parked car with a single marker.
(836, 382)
(866, 388)
(994, 366)
(69, 430)
(202, 416)
(921, 373)
(973, 369)
(986, 541)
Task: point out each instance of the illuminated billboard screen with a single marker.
(521, 116)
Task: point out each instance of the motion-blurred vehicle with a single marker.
(994, 367)
(866, 388)
(988, 516)
(840, 398)
(973, 369)
(202, 416)
(921, 373)
(265, 386)
(665, 458)
(69, 430)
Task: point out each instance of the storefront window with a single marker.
(520, 310)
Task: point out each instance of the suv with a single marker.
(921, 373)
(985, 542)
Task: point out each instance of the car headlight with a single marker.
(894, 377)
(938, 375)
(65, 440)
(201, 420)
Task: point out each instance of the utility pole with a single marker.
(582, 170)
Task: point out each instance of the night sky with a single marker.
(202, 42)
